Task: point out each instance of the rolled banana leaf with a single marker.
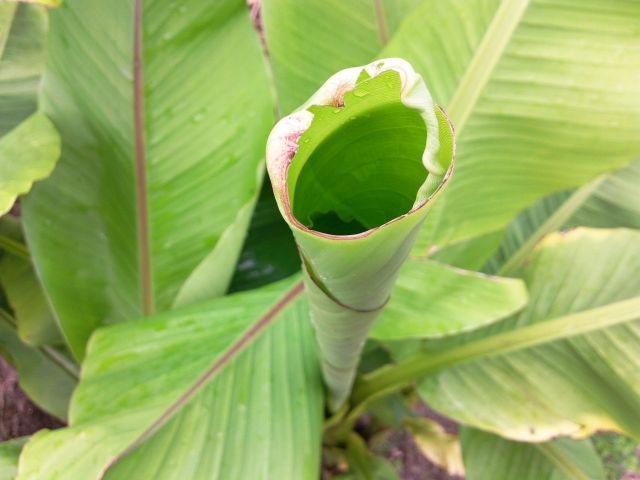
(355, 171)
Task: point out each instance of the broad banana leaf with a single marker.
(311, 40)
(22, 34)
(36, 325)
(9, 453)
(433, 300)
(355, 199)
(489, 457)
(615, 203)
(163, 128)
(45, 374)
(179, 395)
(27, 153)
(544, 96)
(610, 202)
(469, 254)
(585, 380)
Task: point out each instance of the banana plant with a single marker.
(228, 270)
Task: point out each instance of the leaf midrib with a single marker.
(290, 295)
(393, 377)
(560, 460)
(144, 248)
(485, 59)
(555, 222)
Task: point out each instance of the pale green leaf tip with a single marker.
(37, 145)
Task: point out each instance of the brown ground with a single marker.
(18, 416)
(413, 465)
(404, 453)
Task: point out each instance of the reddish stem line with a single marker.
(140, 153)
(219, 364)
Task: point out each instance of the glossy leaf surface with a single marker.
(153, 176)
(27, 153)
(22, 36)
(544, 96)
(311, 40)
(489, 457)
(181, 383)
(432, 300)
(567, 387)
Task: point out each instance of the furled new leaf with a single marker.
(163, 133)
(355, 172)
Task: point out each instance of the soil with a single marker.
(18, 415)
(413, 464)
(404, 452)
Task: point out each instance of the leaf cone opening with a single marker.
(359, 166)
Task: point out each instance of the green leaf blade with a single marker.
(489, 457)
(9, 453)
(27, 153)
(162, 374)
(22, 36)
(525, 395)
(433, 300)
(36, 324)
(47, 381)
(146, 202)
(348, 33)
(559, 84)
(269, 403)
